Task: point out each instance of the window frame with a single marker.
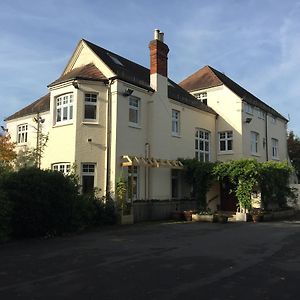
(202, 96)
(175, 122)
(254, 143)
(90, 103)
(61, 108)
(249, 109)
(275, 147)
(64, 167)
(136, 109)
(136, 178)
(226, 139)
(88, 173)
(22, 135)
(200, 137)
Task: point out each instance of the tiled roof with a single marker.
(38, 106)
(87, 72)
(208, 77)
(138, 75)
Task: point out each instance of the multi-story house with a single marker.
(114, 118)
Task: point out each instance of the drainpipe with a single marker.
(147, 156)
(267, 144)
(108, 141)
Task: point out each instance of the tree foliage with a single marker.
(7, 151)
(200, 176)
(293, 143)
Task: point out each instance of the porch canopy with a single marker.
(129, 161)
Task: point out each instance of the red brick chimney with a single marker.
(158, 54)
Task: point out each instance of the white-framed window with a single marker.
(254, 142)
(133, 182)
(202, 145)
(22, 133)
(225, 141)
(62, 167)
(202, 97)
(64, 108)
(175, 122)
(274, 143)
(88, 171)
(134, 110)
(90, 107)
(261, 114)
(248, 108)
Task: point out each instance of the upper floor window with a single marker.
(254, 142)
(64, 108)
(202, 97)
(248, 108)
(274, 148)
(22, 133)
(261, 114)
(90, 106)
(202, 145)
(175, 122)
(225, 141)
(273, 119)
(62, 167)
(134, 110)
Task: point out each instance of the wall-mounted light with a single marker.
(4, 129)
(127, 92)
(248, 120)
(89, 140)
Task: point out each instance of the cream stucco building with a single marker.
(114, 118)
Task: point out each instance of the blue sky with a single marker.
(254, 42)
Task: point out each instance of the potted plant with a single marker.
(257, 215)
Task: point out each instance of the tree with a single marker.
(293, 143)
(7, 151)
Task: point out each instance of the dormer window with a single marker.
(202, 97)
(64, 108)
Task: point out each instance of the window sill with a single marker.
(275, 158)
(90, 122)
(228, 152)
(133, 125)
(62, 124)
(255, 154)
(176, 135)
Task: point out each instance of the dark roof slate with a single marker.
(208, 77)
(87, 72)
(38, 106)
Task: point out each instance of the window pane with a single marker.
(133, 116)
(229, 145)
(222, 146)
(71, 112)
(90, 112)
(206, 157)
(58, 115)
(65, 113)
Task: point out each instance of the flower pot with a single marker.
(257, 218)
(187, 214)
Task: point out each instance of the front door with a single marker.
(228, 198)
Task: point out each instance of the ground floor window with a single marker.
(133, 183)
(62, 167)
(88, 177)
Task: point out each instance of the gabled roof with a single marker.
(38, 106)
(136, 74)
(208, 77)
(124, 69)
(87, 72)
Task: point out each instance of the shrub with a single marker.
(42, 202)
(5, 216)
